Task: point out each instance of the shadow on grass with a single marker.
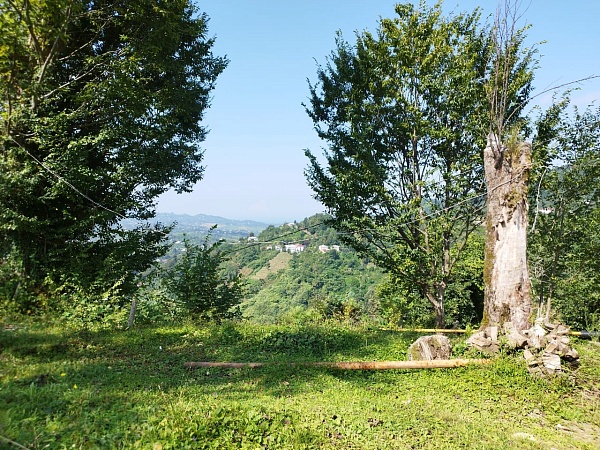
(95, 383)
(146, 356)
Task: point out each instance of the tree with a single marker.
(507, 162)
(404, 114)
(564, 238)
(101, 110)
(198, 282)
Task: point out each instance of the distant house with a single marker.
(279, 248)
(252, 239)
(294, 248)
(326, 248)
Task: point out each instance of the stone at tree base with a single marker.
(549, 346)
(545, 345)
(551, 362)
(484, 342)
(529, 358)
(552, 347)
(479, 340)
(572, 356)
(428, 348)
(514, 338)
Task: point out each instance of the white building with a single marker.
(326, 248)
(294, 248)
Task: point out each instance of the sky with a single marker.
(254, 152)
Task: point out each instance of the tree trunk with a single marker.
(507, 295)
(437, 301)
(132, 313)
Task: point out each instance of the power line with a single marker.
(70, 185)
(278, 238)
(420, 219)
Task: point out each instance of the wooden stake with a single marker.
(357, 365)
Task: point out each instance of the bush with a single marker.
(198, 282)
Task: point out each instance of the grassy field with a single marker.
(128, 389)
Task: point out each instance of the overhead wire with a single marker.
(276, 239)
(362, 230)
(273, 240)
(74, 188)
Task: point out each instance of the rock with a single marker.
(534, 341)
(572, 355)
(551, 362)
(516, 339)
(537, 330)
(552, 347)
(492, 332)
(428, 348)
(529, 357)
(546, 345)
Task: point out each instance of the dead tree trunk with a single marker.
(507, 296)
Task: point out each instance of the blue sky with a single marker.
(258, 128)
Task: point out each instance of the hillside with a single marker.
(278, 263)
(302, 267)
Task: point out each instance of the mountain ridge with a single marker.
(207, 219)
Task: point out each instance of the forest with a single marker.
(452, 201)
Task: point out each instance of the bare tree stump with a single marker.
(506, 277)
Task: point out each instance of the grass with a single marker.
(128, 389)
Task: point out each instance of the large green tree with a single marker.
(405, 116)
(101, 104)
(565, 215)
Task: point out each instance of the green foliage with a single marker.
(565, 243)
(197, 282)
(464, 303)
(334, 285)
(405, 115)
(224, 427)
(403, 305)
(100, 112)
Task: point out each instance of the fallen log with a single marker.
(356, 365)
(430, 330)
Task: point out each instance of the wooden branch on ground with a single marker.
(429, 330)
(357, 365)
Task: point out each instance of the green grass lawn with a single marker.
(128, 389)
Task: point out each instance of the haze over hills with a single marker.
(199, 225)
(205, 221)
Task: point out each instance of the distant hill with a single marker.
(201, 222)
(317, 272)
(196, 227)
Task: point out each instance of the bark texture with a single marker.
(507, 286)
